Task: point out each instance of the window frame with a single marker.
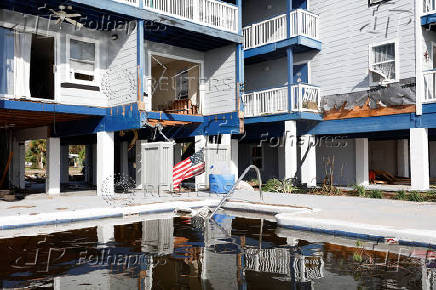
(262, 155)
(395, 42)
(180, 80)
(96, 73)
(376, 2)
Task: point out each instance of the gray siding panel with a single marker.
(220, 80)
(346, 32)
(123, 54)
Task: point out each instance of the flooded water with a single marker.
(227, 253)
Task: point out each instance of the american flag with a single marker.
(190, 167)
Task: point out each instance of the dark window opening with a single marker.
(42, 67)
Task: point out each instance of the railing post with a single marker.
(288, 18)
(290, 60)
(196, 10)
(253, 35)
(300, 97)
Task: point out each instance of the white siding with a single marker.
(122, 69)
(220, 80)
(347, 29)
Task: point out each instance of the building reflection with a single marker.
(225, 253)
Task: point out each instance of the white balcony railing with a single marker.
(130, 2)
(429, 6)
(274, 101)
(305, 98)
(302, 23)
(265, 102)
(430, 86)
(212, 13)
(268, 31)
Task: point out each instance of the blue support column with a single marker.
(239, 4)
(290, 58)
(140, 59)
(288, 17)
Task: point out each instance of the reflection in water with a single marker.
(227, 253)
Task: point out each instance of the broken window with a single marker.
(82, 60)
(383, 64)
(182, 85)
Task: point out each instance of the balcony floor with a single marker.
(278, 49)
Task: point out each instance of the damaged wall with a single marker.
(401, 96)
(114, 59)
(153, 48)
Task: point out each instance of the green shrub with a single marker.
(400, 195)
(376, 194)
(415, 196)
(359, 190)
(277, 185)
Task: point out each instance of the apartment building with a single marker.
(115, 75)
(336, 91)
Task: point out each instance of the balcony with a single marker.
(213, 13)
(430, 86)
(429, 13)
(305, 98)
(302, 24)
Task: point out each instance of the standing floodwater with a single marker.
(229, 253)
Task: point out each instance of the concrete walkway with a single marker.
(350, 216)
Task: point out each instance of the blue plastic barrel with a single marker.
(221, 183)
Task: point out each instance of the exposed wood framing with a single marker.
(167, 123)
(367, 111)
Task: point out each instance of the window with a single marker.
(256, 156)
(182, 85)
(383, 64)
(375, 2)
(82, 60)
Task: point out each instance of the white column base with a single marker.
(53, 161)
(288, 151)
(419, 164)
(308, 160)
(362, 161)
(234, 168)
(105, 234)
(105, 163)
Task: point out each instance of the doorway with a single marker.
(42, 67)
